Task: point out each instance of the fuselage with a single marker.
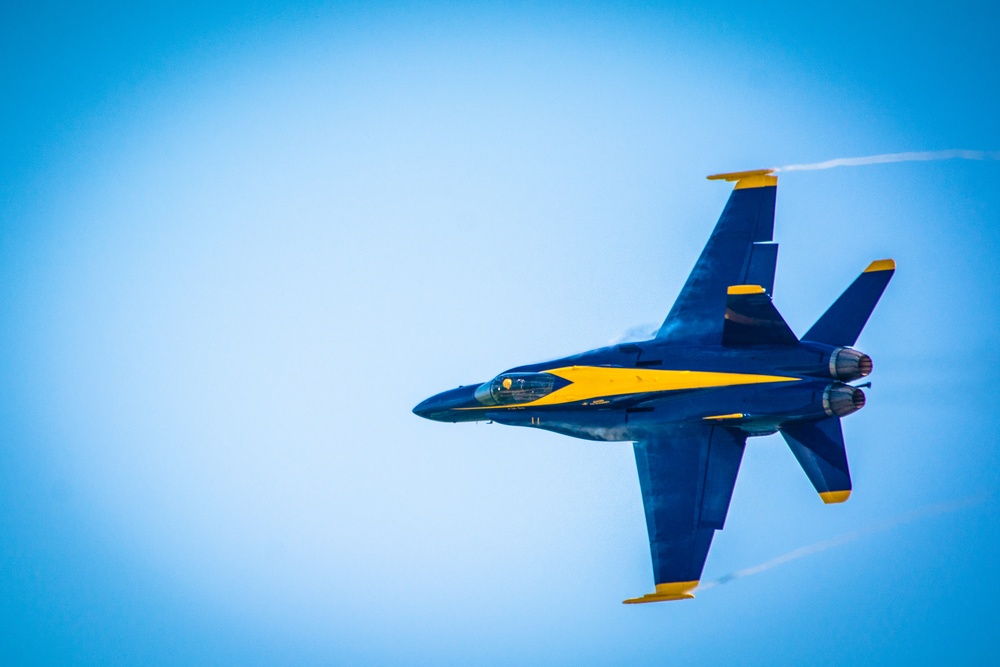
(624, 391)
(724, 365)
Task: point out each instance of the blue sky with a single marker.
(240, 243)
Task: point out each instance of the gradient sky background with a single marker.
(239, 242)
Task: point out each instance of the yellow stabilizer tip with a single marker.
(881, 265)
(677, 590)
(833, 497)
(745, 289)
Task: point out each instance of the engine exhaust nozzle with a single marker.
(847, 364)
(840, 400)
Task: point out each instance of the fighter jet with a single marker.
(724, 366)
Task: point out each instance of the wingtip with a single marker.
(677, 590)
(754, 178)
(737, 175)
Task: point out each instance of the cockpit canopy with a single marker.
(513, 388)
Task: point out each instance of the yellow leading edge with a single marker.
(678, 590)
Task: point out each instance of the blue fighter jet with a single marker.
(724, 366)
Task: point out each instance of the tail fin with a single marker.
(842, 323)
(751, 319)
(819, 448)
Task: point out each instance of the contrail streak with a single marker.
(930, 510)
(922, 156)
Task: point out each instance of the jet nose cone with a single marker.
(424, 408)
(450, 406)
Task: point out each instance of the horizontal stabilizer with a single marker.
(751, 319)
(842, 323)
(819, 448)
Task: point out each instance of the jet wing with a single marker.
(739, 252)
(687, 473)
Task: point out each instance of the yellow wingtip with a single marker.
(676, 590)
(754, 178)
(834, 497)
(881, 265)
(737, 175)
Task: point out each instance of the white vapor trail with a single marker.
(921, 156)
(929, 510)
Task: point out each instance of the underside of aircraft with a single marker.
(724, 366)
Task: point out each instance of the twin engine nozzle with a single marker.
(847, 364)
(840, 400)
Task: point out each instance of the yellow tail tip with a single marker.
(881, 265)
(745, 289)
(833, 497)
(676, 590)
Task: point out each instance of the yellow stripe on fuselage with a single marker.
(587, 382)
